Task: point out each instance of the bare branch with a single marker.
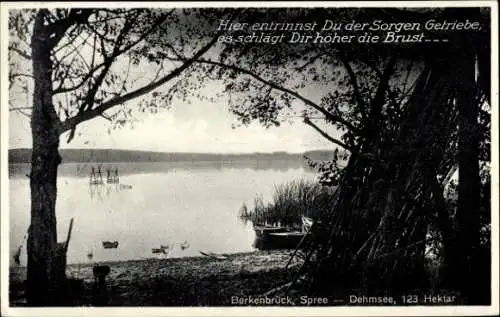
(70, 41)
(71, 134)
(376, 102)
(295, 94)
(157, 73)
(92, 113)
(123, 89)
(309, 62)
(325, 135)
(143, 36)
(89, 100)
(354, 82)
(64, 77)
(105, 117)
(380, 74)
(20, 52)
(13, 76)
(75, 48)
(121, 36)
(171, 47)
(94, 48)
(21, 110)
(80, 84)
(59, 28)
(104, 20)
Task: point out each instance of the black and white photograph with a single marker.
(324, 158)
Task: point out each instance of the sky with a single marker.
(196, 127)
(187, 126)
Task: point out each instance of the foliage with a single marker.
(398, 112)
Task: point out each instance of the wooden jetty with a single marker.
(96, 176)
(112, 176)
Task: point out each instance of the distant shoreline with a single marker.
(82, 169)
(23, 155)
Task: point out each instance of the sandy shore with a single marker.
(194, 281)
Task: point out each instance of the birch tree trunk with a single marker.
(42, 239)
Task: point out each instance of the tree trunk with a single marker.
(468, 181)
(42, 239)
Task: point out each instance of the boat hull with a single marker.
(264, 230)
(278, 240)
(110, 245)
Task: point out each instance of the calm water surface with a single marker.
(166, 204)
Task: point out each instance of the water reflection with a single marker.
(102, 191)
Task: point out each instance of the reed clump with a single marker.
(289, 202)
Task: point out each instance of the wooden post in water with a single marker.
(59, 273)
(69, 235)
(99, 173)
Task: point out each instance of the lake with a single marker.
(154, 204)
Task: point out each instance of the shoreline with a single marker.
(186, 281)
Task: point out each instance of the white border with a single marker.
(256, 4)
(253, 311)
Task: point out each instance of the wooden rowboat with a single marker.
(165, 249)
(213, 255)
(263, 230)
(279, 240)
(110, 245)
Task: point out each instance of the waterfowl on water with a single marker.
(184, 245)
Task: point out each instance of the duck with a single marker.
(184, 245)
